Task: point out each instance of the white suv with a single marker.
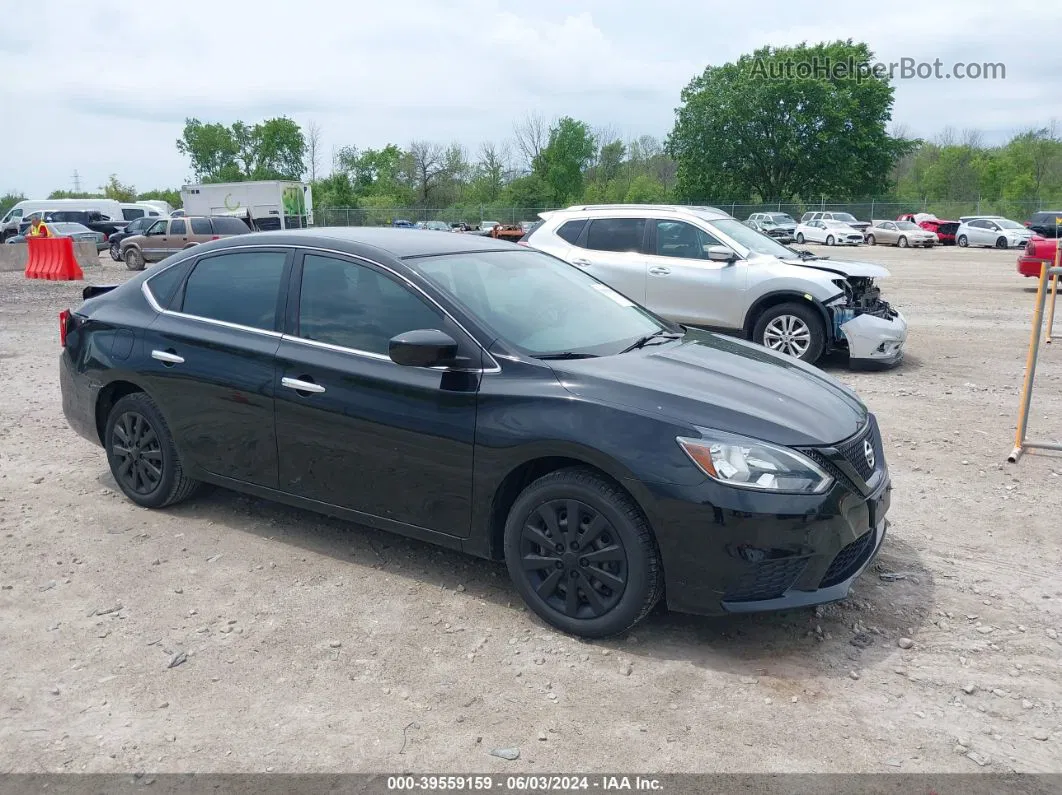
(701, 267)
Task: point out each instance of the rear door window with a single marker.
(177, 227)
(615, 234)
(201, 226)
(570, 230)
(241, 288)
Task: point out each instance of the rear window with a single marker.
(229, 226)
(132, 215)
(615, 234)
(201, 226)
(571, 230)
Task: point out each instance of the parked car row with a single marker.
(76, 231)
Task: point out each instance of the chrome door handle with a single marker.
(659, 270)
(581, 263)
(167, 358)
(302, 386)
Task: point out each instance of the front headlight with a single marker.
(751, 464)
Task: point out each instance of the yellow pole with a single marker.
(1054, 286)
(1023, 416)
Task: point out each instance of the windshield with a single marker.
(748, 238)
(1005, 224)
(538, 303)
(781, 218)
(906, 225)
(845, 217)
(835, 224)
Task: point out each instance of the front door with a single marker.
(356, 430)
(685, 286)
(209, 363)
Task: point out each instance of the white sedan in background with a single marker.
(832, 233)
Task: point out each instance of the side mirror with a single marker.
(721, 254)
(422, 348)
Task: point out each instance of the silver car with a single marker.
(900, 233)
(997, 232)
(701, 267)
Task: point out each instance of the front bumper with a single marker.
(874, 339)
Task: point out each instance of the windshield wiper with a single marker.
(568, 355)
(643, 341)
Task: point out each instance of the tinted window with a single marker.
(178, 228)
(237, 288)
(571, 230)
(201, 226)
(351, 305)
(616, 234)
(132, 215)
(165, 284)
(229, 226)
(679, 239)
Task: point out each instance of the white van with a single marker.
(133, 210)
(108, 208)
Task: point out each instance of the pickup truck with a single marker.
(94, 220)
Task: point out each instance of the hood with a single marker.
(842, 268)
(719, 382)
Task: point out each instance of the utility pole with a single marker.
(77, 182)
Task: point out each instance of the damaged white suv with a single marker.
(701, 267)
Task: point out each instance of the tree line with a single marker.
(741, 135)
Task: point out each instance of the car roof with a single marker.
(627, 210)
(398, 243)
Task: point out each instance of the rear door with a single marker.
(356, 430)
(685, 286)
(210, 362)
(611, 249)
(177, 238)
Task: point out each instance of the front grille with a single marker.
(854, 451)
(848, 560)
(766, 580)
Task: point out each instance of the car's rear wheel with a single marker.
(793, 329)
(829, 240)
(582, 555)
(800, 238)
(134, 260)
(1001, 242)
(142, 456)
(116, 252)
(902, 242)
(871, 240)
(962, 241)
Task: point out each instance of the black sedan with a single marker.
(489, 398)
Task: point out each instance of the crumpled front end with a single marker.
(868, 326)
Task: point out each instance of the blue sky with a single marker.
(104, 87)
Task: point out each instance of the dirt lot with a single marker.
(313, 645)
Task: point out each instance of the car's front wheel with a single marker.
(116, 252)
(793, 329)
(1001, 242)
(134, 260)
(582, 555)
(800, 238)
(829, 240)
(962, 241)
(142, 456)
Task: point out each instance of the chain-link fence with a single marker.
(864, 209)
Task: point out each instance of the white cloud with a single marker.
(105, 87)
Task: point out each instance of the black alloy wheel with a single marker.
(142, 455)
(582, 555)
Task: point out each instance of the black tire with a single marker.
(902, 242)
(829, 240)
(136, 425)
(1001, 242)
(116, 252)
(811, 319)
(621, 537)
(871, 240)
(800, 238)
(134, 260)
(962, 241)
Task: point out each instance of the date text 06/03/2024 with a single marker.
(533, 783)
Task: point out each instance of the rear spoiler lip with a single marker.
(96, 289)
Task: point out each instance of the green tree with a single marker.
(757, 127)
(561, 162)
(273, 149)
(171, 196)
(117, 191)
(9, 200)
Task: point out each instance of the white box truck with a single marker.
(266, 205)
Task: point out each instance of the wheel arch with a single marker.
(107, 397)
(776, 297)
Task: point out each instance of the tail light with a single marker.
(216, 237)
(64, 325)
(1030, 249)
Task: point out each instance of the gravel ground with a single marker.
(231, 634)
